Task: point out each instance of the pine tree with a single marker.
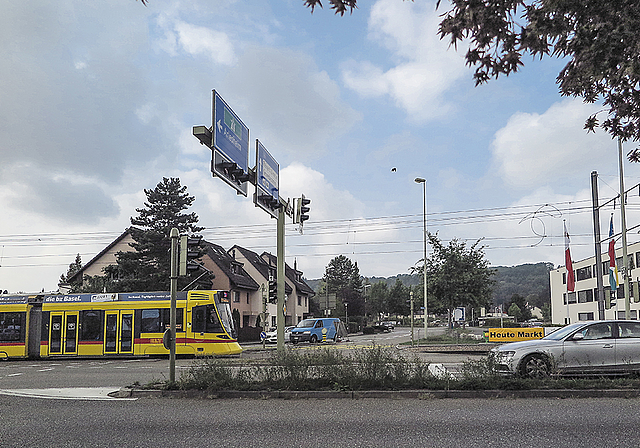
(73, 269)
(148, 267)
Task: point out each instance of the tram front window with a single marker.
(227, 319)
(205, 320)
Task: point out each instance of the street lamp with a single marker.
(420, 180)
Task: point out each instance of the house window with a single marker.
(572, 297)
(247, 298)
(236, 296)
(585, 296)
(585, 316)
(633, 315)
(299, 301)
(583, 273)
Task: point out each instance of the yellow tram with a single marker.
(115, 324)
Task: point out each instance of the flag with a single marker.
(613, 269)
(571, 283)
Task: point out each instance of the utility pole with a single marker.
(625, 263)
(411, 305)
(598, 249)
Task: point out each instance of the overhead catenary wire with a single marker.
(93, 242)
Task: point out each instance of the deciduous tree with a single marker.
(342, 277)
(457, 275)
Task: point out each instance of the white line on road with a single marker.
(75, 393)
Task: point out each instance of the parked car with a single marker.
(272, 335)
(382, 326)
(602, 347)
(389, 324)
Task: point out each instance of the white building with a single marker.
(582, 304)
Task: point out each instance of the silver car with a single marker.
(603, 347)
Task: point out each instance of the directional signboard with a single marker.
(267, 181)
(230, 144)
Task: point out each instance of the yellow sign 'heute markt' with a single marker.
(514, 334)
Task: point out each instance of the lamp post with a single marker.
(422, 181)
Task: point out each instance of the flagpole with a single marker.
(568, 263)
(625, 264)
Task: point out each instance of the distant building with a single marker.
(582, 304)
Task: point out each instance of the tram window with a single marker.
(205, 320)
(91, 326)
(11, 326)
(150, 321)
(156, 320)
(166, 319)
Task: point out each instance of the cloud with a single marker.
(197, 40)
(425, 67)
(64, 198)
(534, 149)
(73, 81)
(289, 104)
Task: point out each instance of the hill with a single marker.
(528, 280)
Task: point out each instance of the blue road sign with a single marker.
(230, 143)
(267, 181)
(230, 135)
(268, 171)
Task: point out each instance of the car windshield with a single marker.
(562, 332)
(307, 323)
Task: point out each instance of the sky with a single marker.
(99, 99)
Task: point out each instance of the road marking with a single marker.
(46, 370)
(74, 393)
(15, 374)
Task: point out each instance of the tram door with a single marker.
(63, 333)
(118, 332)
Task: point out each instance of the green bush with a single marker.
(370, 368)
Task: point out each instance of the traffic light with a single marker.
(301, 210)
(273, 291)
(189, 252)
(610, 300)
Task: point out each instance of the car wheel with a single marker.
(313, 339)
(535, 366)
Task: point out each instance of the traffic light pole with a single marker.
(174, 296)
(280, 279)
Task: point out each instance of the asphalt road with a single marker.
(431, 423)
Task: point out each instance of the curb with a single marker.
(388, 394)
